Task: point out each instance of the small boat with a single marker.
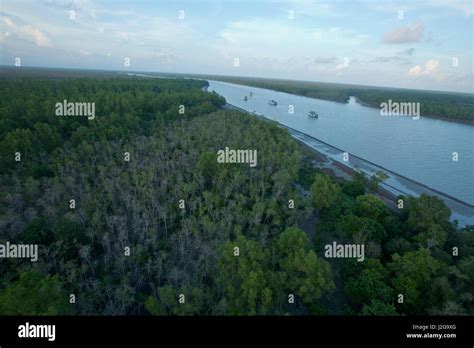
(313, 114)
(246, 98)
(272, 102)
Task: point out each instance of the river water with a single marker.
(421, 149)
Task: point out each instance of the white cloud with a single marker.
(415, 71)
(4, 36)
(413, 33)
(25, 32)
(430, 69)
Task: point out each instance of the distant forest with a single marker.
(167, 222)
(447, 105)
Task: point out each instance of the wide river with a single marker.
(421, 149)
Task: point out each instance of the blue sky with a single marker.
(408, 44)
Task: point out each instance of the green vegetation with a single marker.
(413, 253)
(234, 247)
(34, 294)
(135, 204)
(447, 105)
(323, 192)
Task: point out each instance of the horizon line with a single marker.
(239, 76)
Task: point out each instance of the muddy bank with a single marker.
(390, 188)
(330, 160)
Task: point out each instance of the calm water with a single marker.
(418, 149)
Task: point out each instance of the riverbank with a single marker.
(341, 94)
(468, 122)
(340, 171)
(330, 161)
(337, 100)
(391, 188)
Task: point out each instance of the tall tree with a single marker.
(323, 192)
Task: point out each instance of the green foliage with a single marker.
(376, 179)
(413, 276)
(323, 192)
(258, 281)
(418, 265)
(247, 278)
(37, 231)
(353, 188)
(434, 236)
(305, 274)
(378, 308)
(169, 302)
(135, 204)
(34, 294)
(191, 251)
(306, 174)
(317, 309)
(371, 207)
(360, 229)
(207, 165)
(371, 285)
(124, 106)
(425, 212)
(68, 230)
(466, 267)
(398, 246)
(425, 277)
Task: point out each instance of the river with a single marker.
(417, 149)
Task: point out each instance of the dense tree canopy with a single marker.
(134, 215)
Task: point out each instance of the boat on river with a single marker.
(313, 114)
(272, 102)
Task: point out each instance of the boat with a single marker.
(246, 98)
(272, 102)
(313, 114)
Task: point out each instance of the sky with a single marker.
(421, 44)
